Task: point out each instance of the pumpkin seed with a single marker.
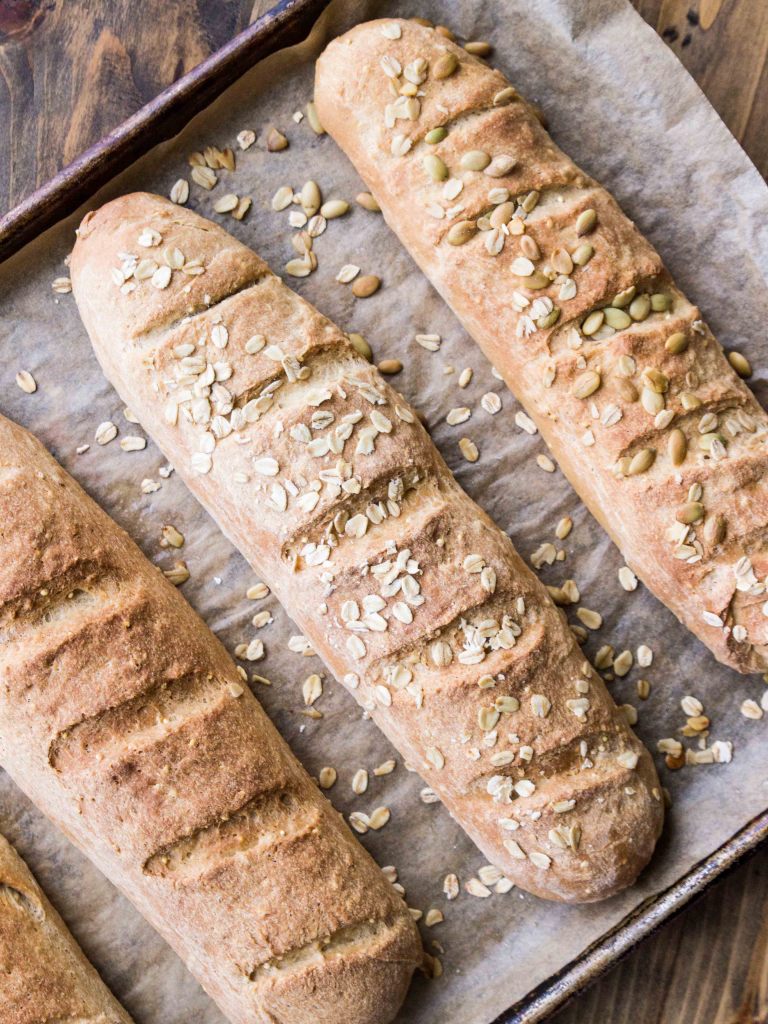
(502, 214)
(656, 380)
(390, 366)
(314, 120)
(706, 441)
(461, 232)
(586, 222)
(479, 48)
(582, 254)
(593, 323)
(740, 363)
(366, 200)
(365, 286)
(475, 160)
(660, 302)
(624, 298)
(676, 343)
(360, 345)
(530, 202)
(689, 513)
(445, 66)
(678, 447)
(334, 208)
(549, 320)
(435, 135)
(538, 279)
(617, 318)
(435, 167)
(641, 462)
(504, 96)
(640, 307)
(587, 384)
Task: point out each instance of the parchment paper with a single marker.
(621, 104)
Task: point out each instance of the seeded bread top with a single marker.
(654, 429)
(324, 478)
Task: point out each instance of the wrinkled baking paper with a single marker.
(621, 104)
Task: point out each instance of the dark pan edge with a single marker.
(288, 22)
(551, 995)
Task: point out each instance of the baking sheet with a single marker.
(620, 103)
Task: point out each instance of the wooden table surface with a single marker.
(70, 70)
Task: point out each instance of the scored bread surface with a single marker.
(630, 390)
(44, 977)
(125, 720)
(323, 477)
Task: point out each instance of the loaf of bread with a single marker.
(635, 398)
(126, 722)
(324, 478)
(44, 977)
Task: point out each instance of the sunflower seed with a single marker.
(365, 286)
(327, 777)
(314, 120)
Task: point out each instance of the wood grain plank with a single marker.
(724, 45)
(71, 70)
(708, 966)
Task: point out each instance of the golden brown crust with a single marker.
(323, 477)
(125, 720)
(44, 976)
(710, 572)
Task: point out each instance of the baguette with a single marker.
(646, 417)
(323, 477)
(44, 977)
(126, 722)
